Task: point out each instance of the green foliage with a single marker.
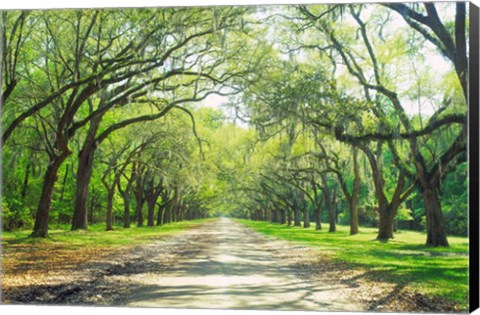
(456, 218)
(404, 214)
(15, 219)
(453, 201)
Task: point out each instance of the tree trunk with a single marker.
(139, 205)
(353, 202)
(328, 201)
(331, 211)
(297, 221)
(386, 210)
(385, 225)
(139, 213)
(126, 195)
(84, 174)
(354, 216)
(174, 213)
(306, 219)
(64, 182)
(334, 204)
(167, 216)
(110, 209)
(274, 218)
(161, 209)
(92, 205)
(151, 212)
(126, 210)
(40, 228)
(139, 195)
(331, 218)
(25, 181)
(436, 235)
(317, 205)
(318, 223)
(289, 217)
(181, 211)
(283, 219)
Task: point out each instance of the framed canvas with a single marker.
(240, 156)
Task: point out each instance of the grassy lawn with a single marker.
(96, 236)
(404, 260)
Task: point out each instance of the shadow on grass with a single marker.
(401, 261)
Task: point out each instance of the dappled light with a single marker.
(281, 157)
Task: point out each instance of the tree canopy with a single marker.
(348, 114)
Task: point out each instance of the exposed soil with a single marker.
(220, 264)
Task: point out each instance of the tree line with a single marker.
(76, 79)
(348, 86)
(338, 116)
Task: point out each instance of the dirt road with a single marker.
(219, 264)
(234, 267)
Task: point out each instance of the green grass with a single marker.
(405, 261)
(97, 236)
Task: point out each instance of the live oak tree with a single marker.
(427, 174)
(191, 77)
(121, 77)
(427, 22)
(117, 160)
(65, 62)
(365, 61)
(352, 195)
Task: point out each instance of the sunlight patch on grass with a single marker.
(404, 260)
(97, 236)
